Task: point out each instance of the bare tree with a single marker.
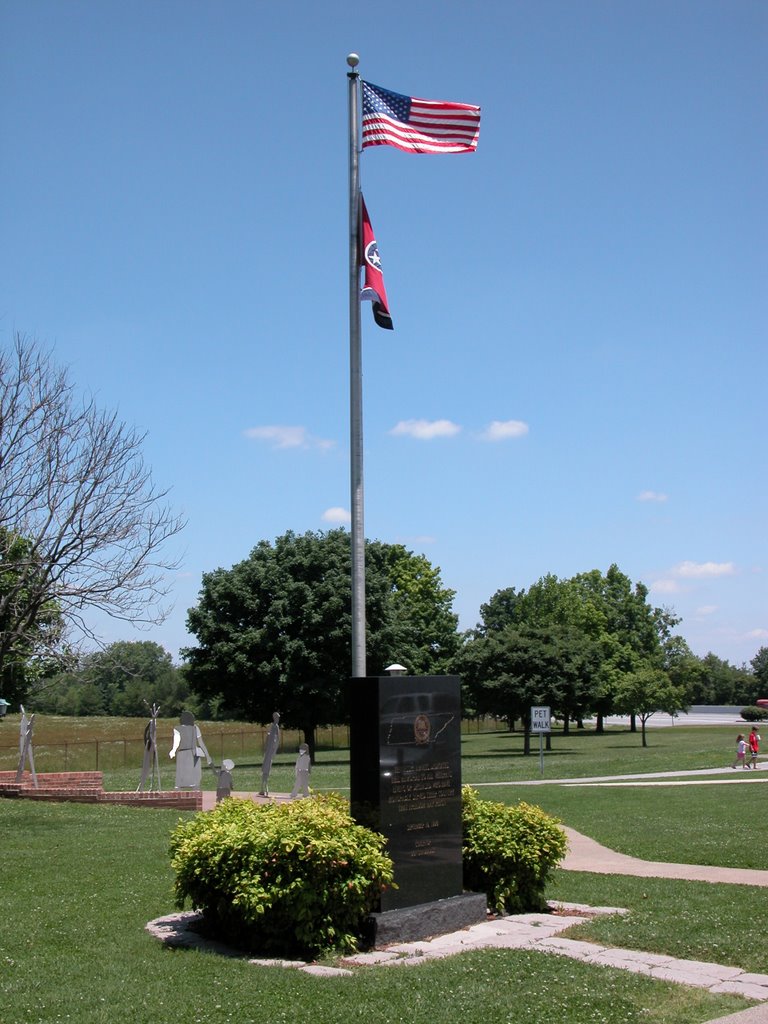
(82, 525)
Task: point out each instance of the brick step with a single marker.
(54, 780)
(88, 787)
(75, 796)
(190, 800)
(187, 802)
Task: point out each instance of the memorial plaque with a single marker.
(405, 760)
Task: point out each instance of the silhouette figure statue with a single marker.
(188, 749)
(151, 763)
(224, 780)
(271, 746)
(303, 767)
(26, 754)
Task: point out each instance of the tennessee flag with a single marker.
(373, 287)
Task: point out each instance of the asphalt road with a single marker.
(695, 716)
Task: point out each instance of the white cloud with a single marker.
(288, 437)
(336, 515)
(665, 587)
(707, 609)
(502, 430)
(758, 634)
(651, 496)
(425, 430)
(692, 571)
(703, 570)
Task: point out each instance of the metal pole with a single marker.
(356, 380)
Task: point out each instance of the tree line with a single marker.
(83, 527)
(273, 633)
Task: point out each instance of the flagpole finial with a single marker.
(353, 60)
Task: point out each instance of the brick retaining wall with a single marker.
(88, 788)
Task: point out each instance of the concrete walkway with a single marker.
(584, 854)
(686, 777)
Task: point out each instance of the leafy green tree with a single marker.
(134, 673)
(29, 628)
(420, 608)
(646, 691)
(592, 631)
(274, 631)
(553, 613)
(508, 671)
(631, 633)
(123, 679)
(760, 669)
(716, 681)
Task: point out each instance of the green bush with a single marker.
(754, 714)
(509, 852)
(293, 878)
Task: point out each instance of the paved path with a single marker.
(688, 777)
(584, 854)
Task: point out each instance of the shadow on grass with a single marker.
(516, 754)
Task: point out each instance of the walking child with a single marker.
(741, 752)
(754, 747)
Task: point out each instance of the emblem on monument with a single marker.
(422, 729)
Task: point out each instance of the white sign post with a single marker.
(540, 723)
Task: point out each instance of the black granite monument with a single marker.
(405, 775)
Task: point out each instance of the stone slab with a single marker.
(570, 947)
(371, 959)
(321, 971)
(409, 924)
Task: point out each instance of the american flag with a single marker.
(418, 126)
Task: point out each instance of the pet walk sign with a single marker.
(540, 720)
(540, 723)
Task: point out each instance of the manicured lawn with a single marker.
(497, 757)
(79, 883)
(691, 920)
(720, 824)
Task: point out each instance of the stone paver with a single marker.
(325, 972)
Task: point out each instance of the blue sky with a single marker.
(592, 281)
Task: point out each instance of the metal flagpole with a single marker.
(356, 379)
